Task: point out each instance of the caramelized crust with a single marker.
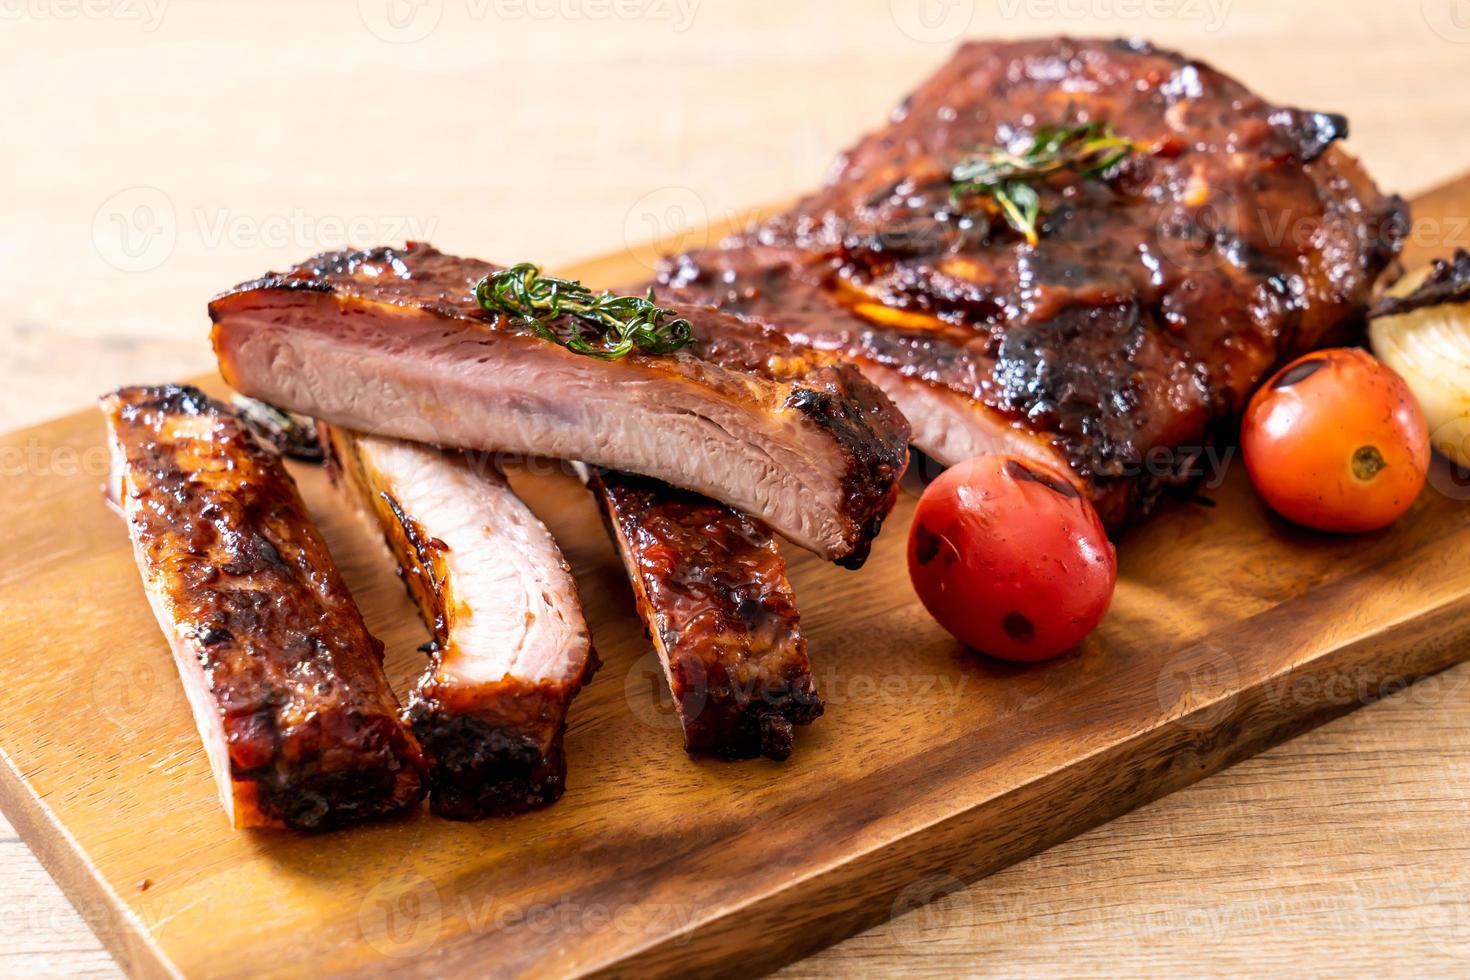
(711, 587)
(793, 435)
(285, 682)
(1132, 333)
(511, 648)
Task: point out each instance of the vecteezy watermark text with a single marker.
(679, 13)
(302, 229)
(404, 915)
(1212, 14)
(410, 21)
(137, 229)
(36, 458)
(146, 13)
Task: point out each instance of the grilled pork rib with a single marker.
(510, 647)
(1155, 300)
(391, 341)
(711, 588)
(285, 683)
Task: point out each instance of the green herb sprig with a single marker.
(1008, 177)
(620, 324)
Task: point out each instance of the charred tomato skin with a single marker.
(1009, 557)
(1336, 441)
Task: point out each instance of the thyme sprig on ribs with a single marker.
(1009, 177)
(619, 325)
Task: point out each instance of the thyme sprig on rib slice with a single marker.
(1008, 177)
(619, 325)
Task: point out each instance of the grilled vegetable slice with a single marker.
(1422, 331)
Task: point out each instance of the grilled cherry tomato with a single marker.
(1336, 441)
(1010, 557)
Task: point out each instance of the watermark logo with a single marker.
(1199, 684)
(646, 689)
(401, 916)
(933, 21)
(1445, 475)
(920, 920)
(1194, 228)
(667, 221)
(1446, 920)
(400, 21)
(136, 230)
(1450, 19)
(133, 696)
(922, 470)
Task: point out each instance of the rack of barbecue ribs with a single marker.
(393, 342)
(1156, 296)
(1117, 346)
(510, 647)
(285, 683)
(711, 587)
(1113, 327)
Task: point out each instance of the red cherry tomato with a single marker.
(1009, 557)
(1336, 441)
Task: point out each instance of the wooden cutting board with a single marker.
(1230, 631)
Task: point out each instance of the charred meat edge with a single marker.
(1447, 281)
(710, 585)
(392, 341)
(491, 708)
(1129, 337)
(285, 683)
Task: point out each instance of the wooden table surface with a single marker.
(157, 150)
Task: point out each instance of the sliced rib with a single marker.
(285, 683)
(391, 341)
(510, 646)
(711, 587)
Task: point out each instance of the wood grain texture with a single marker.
(1290, 860)
(1333, 855)
(1230, 631)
